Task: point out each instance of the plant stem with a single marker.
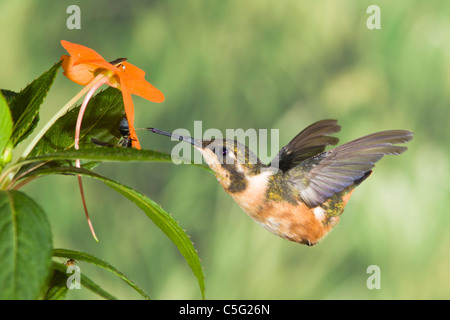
(88, 97)
(59, 114)
(4, 180)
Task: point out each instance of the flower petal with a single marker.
(136, 83)
(129, 111)
(81, 52)
(82, 63)
(81, 73)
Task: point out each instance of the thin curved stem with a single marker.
(60, 113)
(88, 97)
(17, 178)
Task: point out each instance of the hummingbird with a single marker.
(301, 194)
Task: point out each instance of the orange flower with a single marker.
(86, 67)
(84, 64)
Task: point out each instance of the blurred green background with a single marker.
(256, 64)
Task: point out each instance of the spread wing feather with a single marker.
(321, 176)
(308, 143)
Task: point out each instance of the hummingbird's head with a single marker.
(231, 160)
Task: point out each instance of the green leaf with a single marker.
(8, 94)
(167, 225)
(105, 154)
(31, 166)
(160, 218)
(101, 121)
(6, 125)
(77, 255)
(96, 155)
(25, 105)
(58, 284)
(25, 246)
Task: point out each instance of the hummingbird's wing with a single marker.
(320, 177)
(308, 143)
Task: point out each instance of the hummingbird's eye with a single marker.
(224, 151)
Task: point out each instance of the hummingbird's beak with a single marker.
(193, 141)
